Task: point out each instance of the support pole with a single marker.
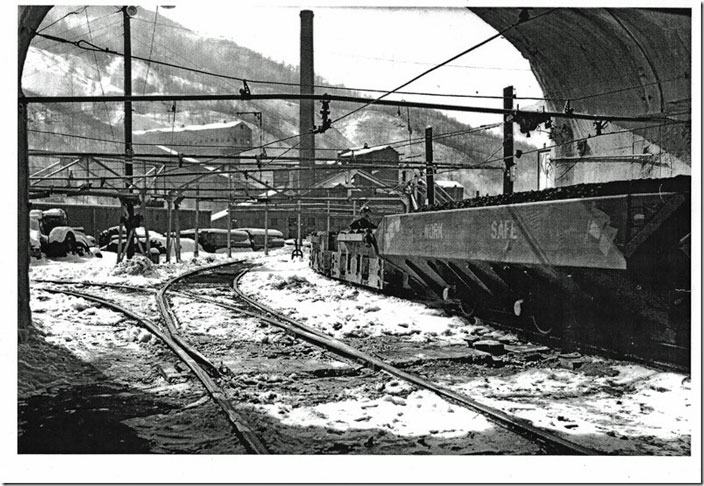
(177, 224)
(298, 225)
(508, 141)
(24, 313)
(168, 230)
(229, 229)
(266, 227)
(128, 92)
(195, 251)
(119, 243)
(327, 216)
(147, 240)
(429, 171)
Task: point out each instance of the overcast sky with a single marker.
(380, 48)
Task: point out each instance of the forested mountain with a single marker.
(83, 67)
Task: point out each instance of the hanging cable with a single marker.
(100, 77)
(151, 49)
(438, 66)
(75, 12)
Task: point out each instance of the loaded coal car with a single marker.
(598, 267)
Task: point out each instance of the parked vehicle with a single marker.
(55, 237)
(109, 240)
(256, 235)
(214, 239)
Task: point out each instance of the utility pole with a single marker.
(266, 226)
(429, 176)
(508, 141)
(195, 250)
(127, 13)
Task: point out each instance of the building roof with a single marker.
(191, 128)
(356, 152)
(340, 178)
(448, 184)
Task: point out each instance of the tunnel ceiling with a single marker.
(611, 61)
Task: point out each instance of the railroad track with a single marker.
(210, 374)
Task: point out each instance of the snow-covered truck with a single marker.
(55, 237)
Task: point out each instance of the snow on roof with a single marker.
(192, 128)
(363, 151)
(175, 152)
(269, 193)
(447, 184)
(218, 215)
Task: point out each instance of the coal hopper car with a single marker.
(598, 267)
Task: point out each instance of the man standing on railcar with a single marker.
(364, 222)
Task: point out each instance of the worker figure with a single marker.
(364, 222)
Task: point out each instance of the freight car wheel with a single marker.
(558, 320)
(467, 309)
(541, 330)
(544, 318)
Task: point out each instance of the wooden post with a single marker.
(266, 226)
(429, 179)
(95, 225)
(128, 92)
(147, 242)
(229, 229)
(508, 141)
(195, 251)
(298, 237)
(177, 229)
(327, 219)
(168, 230)
(119, 244)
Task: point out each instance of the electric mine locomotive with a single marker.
(594, 266)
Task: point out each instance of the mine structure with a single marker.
(593, 259)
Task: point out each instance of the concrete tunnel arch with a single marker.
(626, 61)
(30, 18)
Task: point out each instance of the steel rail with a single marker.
(242, 430)
(94, 284)
(520, 426)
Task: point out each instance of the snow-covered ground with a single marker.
(601, 410)
(594, 409)
(345, 311)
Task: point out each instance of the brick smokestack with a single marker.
(307, 115)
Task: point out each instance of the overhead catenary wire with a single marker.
(74, 12)
(151, 50)
(100, 78)
(331, 87)
(438, 66)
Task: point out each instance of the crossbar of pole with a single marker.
(49, 167)
(48, 176)
(350, 99)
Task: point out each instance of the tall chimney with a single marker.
(307, 117)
